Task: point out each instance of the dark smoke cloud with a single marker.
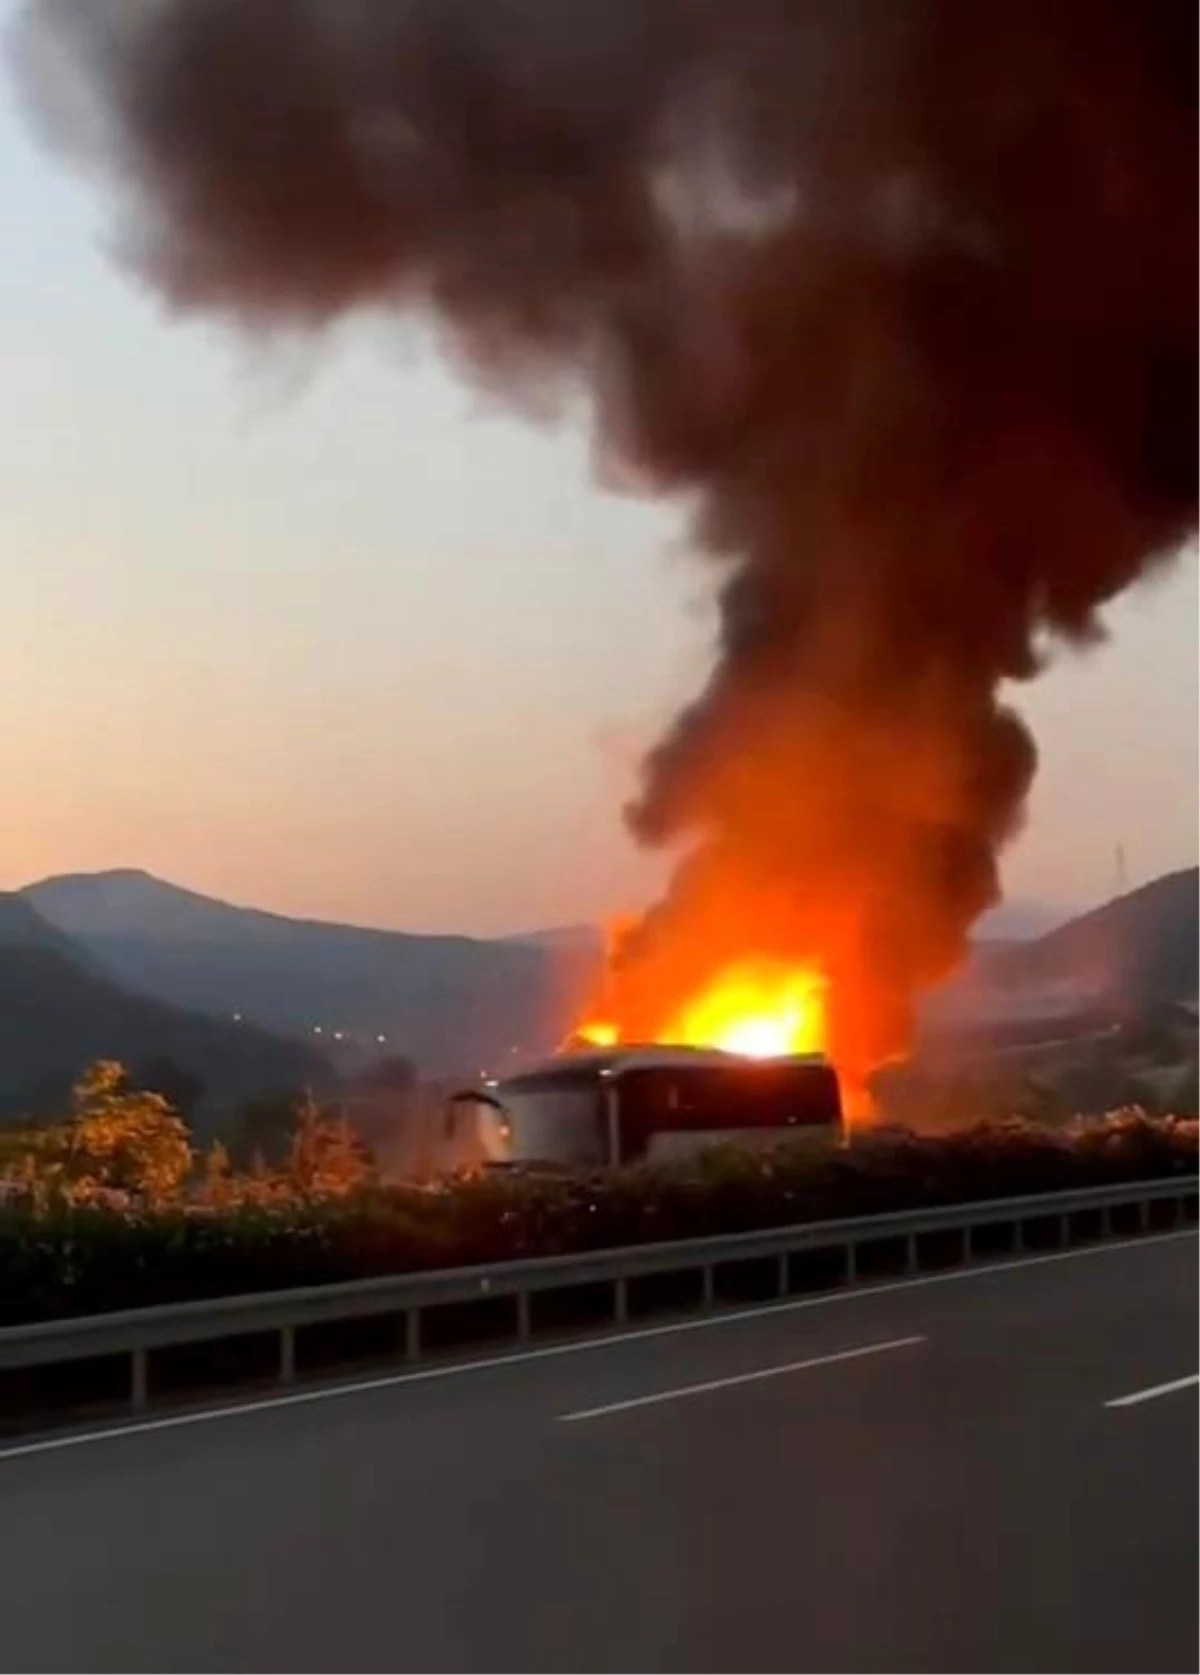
(900, 292)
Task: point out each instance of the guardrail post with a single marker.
(1106, 1226)
(138, 1381)
(620, 1302)
(708, 1286)
(1143, 1210)
(287, 1354)
(910, 1253)
(524, 1326)
(968, 1244)
(1018, 1238)
(412, 1334)
(783, 1273)
(850, 1271)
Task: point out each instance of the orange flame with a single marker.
(597, 1034)
(759, 1009)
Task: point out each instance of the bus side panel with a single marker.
(667, 1146)
(664, 1110)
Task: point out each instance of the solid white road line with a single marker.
(582, 1346)
(1153, 1391)
(738, 1378)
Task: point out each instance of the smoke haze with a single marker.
(899, 294)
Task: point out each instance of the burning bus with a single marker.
(626, 1104)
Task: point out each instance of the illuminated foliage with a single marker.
(117, 1140)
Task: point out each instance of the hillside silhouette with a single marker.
(1138, 950)
(59, 1011)
(450, 1003)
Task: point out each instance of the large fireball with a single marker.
(759, 1008)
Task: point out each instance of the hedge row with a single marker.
(87, 1260)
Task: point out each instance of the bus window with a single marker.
(558, 1124)
(769, 1100)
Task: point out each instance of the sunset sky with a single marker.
(311, 628)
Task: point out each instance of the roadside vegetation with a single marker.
(113, 1208)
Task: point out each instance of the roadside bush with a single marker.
(62, 1258)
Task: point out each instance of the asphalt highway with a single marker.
(990, 1470)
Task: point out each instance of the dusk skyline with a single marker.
(309, 629)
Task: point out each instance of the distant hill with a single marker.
(1097, 1014)
(22, 926)
(1140, 949)
(1017, 921)
(1130, 956)
(58, 1012)
(452, 1003)
(585, 939)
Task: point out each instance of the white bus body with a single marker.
(605, 1108)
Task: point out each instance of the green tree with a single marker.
(328, 1156)
(218, 1186)
(117, 1139)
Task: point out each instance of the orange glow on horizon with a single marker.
(759, 1009)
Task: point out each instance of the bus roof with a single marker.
(619, 1061)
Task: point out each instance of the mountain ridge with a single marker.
(62, 895)
(452, 1003)
(59, 1010)
(456, 1003)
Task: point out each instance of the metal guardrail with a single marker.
(1055, 1220)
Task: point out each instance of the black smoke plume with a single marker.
(899, 293)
